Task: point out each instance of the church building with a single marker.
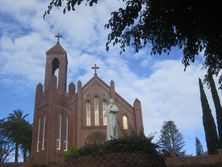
(74, 117)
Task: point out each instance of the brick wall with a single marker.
(115, 159)
(109, 160)
(132, 160)
(204, 160)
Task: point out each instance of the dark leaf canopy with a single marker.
(192, 25)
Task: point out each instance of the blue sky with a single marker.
(165, 90)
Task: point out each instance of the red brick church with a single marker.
(72, 118)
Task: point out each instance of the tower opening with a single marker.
(55, 66)
(55, 69)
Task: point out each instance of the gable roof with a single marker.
(57, 49)
(93, 80)
(106, 86)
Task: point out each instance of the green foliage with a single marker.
(18, 131)
(208, 122)
(71, 153)
(193, 26)
(70, 5)
(5, 146)
(218, 108)
(171, 140)
(91, 149)
(199, 147)
(132, 143)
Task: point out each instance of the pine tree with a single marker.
(208, 122)
(171, 140)
(218, 107)
(199, 147)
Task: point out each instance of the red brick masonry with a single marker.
(129, 160)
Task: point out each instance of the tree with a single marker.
(26, 139)
(14, 128)
(208, 122)
(199, 147)
(193, 26)
(5, 149)
(5, 146)
(171, 140)
(218, 107)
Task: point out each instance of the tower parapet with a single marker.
(39, 89)
(79, 86)
(138, 116)
(79, 112)
(72, 90)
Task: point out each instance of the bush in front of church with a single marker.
(132, 143)
(70, 153)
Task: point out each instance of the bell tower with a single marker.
(56, 65)
(53, 104)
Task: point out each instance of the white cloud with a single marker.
(23, 56)
(168, 93)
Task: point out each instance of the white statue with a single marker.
(111, 114)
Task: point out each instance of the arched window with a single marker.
(55, 65)
(38, 135)
(104, 107)
(55, 69)
(58, 131)
(43, 133)
(88, 114)
(96, 111)
(66, 125)
(125, 123)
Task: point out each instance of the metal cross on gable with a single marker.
(95, 69)
(58, 36)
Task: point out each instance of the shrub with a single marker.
(132, 143)
(71, 153)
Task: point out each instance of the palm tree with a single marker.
(14, 129)
(26, 139)
(5, 145)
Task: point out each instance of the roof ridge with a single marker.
(56, 49)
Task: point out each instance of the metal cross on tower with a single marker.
(95, 68)
(58, 36)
